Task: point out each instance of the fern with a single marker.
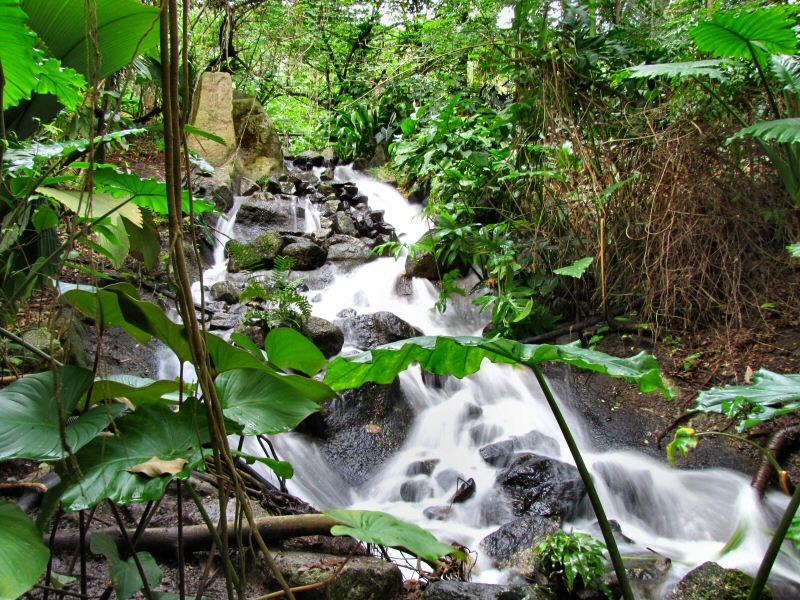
(282, 304)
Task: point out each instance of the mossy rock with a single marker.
(251, 256)
(710, 581)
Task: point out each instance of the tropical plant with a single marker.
(573, 557)
(766, 39)
(281, 304)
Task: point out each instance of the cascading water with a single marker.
(687, 516)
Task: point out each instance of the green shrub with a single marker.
(567, 557)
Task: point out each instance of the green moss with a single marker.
(258, 254)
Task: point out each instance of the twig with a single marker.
(18, 340)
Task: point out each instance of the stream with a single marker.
(686, 516)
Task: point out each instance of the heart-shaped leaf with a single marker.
(290, 349)
(23, 556)
(30, 426)
(153, 430)
(262, 402)
(125, 574)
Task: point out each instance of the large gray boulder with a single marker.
(348, 248)
(307, 255)
(466, 590)
(361, 578)
(325, 335)
(710, 581)
(264, 211)
(363, 428)
(257, 254)
(520, 535)
(538, 485)
(259, 146)
(368, 331)
(211, 112)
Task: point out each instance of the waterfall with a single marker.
(687, 516)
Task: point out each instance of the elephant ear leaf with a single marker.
(462, 356)
(23, 556)
(384, 529)
(770, 395)
(154, 430)
(747, 34)
(30, 427)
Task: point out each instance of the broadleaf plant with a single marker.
(19, 538)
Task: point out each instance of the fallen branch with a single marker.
(164, 540)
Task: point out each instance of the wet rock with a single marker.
(325, 335)
(361, 578)
(465, 491)
(364, 428)
(499, 454)
(422, 467)
(224, 291)
(415, 490)
(537, 485)
(278, 184)
(307, 255)
(448, 478)
(303, 182)
(330, 208)
(440, 512)
(260, 211)
(646, 571)
(248, 187)
(227, 320)
(309, 158)
(255, 333)
(482, 433)
(342, 223)
(472, 411)
(368, 331)
(466, 590)
(257, 254)
(404, 286)
(520, 535)
(212, 112)
(347, 248)
(259, 148)
(710, 581)
(330, 157)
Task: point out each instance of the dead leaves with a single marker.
(156, 467)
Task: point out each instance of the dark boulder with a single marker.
(348, 248)
(307, 255)
(364, 428)
(422, 467)
(415, 490)
(518, 535)
(264, 211)
(537, 485)
(325, 335)
(368, 331)
(499, 454)
(224, 291)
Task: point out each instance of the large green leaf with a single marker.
(261, 402)
(147, 193)
(124, 573)
(787, 72)
(785, 131)
(770, 396)
(29, 416)
(576, 269)
(151, 431)
(25, 67)
(32, 153)
(740, 34)
(697, 68)
(384, 529)
(137, 390)
(125, 28)
(461, 356)
(101, 205)
(289, 349)
(23, 556)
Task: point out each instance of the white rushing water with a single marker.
(687, 516)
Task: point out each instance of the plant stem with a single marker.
(774, 547)
(148, 593)
(764, 452)
(594, 498)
